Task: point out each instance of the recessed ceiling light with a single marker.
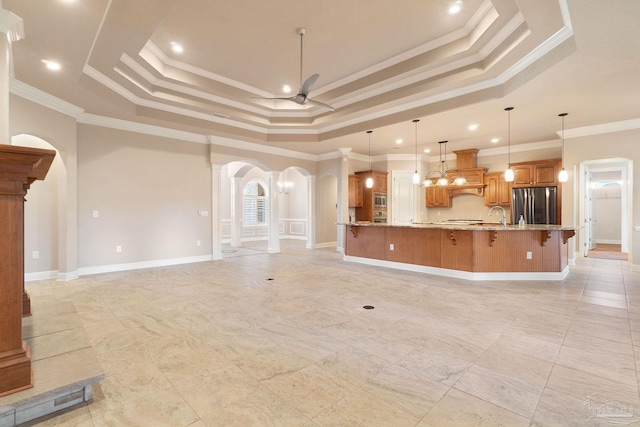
(427, 150)
(455, 8)
(399, 141)
(286, 89)
(52, 65)
(494, 140)
(473, 127)
(176, 47)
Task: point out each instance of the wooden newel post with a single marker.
(19, 167)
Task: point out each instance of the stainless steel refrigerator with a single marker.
(538, 205)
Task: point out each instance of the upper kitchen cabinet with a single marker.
(355, 191)
(438, 196)
(379, 180)
(536, 173)
(497, 191)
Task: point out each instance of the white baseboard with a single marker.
(40, 275)
(65, 277)
(609, 242)
(326, 245)
(84, 271)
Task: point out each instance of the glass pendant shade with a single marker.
(427, 183)
(509, 175)
(443, 181)
(369, 182)
(563, 176)
(416, 178)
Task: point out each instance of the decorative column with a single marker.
(216, 239)
(273, 246)
(236, 211)
(19, 167)
(311, 212)
(343, 197)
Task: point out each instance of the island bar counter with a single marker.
(473, 252)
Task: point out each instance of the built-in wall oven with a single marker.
(380, 217)
(379, 201)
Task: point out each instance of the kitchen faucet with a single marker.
(503, 217)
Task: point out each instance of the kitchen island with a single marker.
(473, 251)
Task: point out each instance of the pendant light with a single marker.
(284, 186)
(369, 182)
(508, 174)
(563, 176)
(443, 165)
(416, 177)
(440, 172)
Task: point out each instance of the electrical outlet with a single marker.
(35, 255)
(391, 247)
(203, 213)
(118, 248)
(197, 242)
(529, 255)
(95, 214)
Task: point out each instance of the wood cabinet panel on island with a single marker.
(472, 249)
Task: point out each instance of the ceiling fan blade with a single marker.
(320, 104)
(308, 84)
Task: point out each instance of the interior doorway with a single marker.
(605, 209)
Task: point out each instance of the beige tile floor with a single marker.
(220, 344)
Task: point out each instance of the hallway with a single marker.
(283, 339)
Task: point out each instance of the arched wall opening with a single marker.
(44, 221)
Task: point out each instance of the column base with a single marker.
(15, 370)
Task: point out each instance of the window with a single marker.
(256, 204)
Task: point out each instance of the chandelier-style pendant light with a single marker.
(416, 176)
(563, 176)
(440, 172)
(284, 186)
(508, 174)
(369, 182)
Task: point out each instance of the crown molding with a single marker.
(621, 126)
(129, 126)
(259, 148)
(38, 96)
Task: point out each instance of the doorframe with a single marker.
(625, 166)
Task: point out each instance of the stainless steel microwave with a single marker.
(379, 201)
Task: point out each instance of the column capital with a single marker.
(12, 25)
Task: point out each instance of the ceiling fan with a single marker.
(302, 97)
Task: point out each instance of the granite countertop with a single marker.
(471, 225)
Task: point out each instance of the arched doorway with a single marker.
(258, 207)
(43, 218)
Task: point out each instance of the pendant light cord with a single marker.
(416, 134)
(563, 115)
(508, 110)
(369, 132)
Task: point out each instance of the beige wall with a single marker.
(624, 144)
(147, 191)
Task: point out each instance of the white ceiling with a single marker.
(381, 64)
